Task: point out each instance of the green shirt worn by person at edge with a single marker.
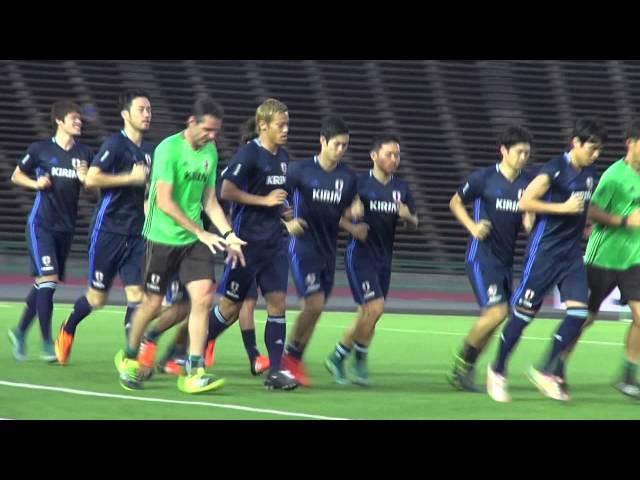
(190, 172)
(617, 193)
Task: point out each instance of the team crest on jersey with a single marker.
(339, 184)
(520, 192)
(206, 165)
(589, 183)
(283, 167)
(75, 162)
(397, 196)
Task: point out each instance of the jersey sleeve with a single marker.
(107, 157)
(352, 190)
(472, 188)
(240, 167)
(552, 170)
(293, 175)
(408, 200)
(30, 161)
(164, 164)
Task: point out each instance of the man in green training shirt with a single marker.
(182, 183)
(613, 252)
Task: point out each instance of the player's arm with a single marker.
(411, 219)
(355, 211)
(100, 173)
(531, 199)
(528, 220)
(22, 179)
(231, 193)
(359, 230)
(215, 212)
(219, 219)
(478, 230)
(598, 215)
(96, 178)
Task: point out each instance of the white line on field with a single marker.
(405, 330)
(164, 400)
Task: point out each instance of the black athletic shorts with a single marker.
(162, 263)
(602, 281)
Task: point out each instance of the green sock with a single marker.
(195, 361)
(130, 353)
(630, 370)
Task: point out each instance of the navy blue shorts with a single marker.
(48, 250)
(252, 293)
(266, 268)
(312, 273)
(542, 274)
(368, 279)
(491, 281)
(113, 253)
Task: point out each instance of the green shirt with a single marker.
(190, 172)
(618, 193)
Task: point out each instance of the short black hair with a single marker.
(590, 130)
(383, 139)
(206, 106)
(332, 126)
(248, 131)
(513, 135)
(126, 98)
(61, 109)
(632, 131)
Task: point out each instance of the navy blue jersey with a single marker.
(257, 171)
(56, 207)
(121, 209)
(496, 200)
(319, 198)
(560, 236)
(381, 212)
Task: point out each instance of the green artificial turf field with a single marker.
(408, 361)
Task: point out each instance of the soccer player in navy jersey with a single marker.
(59, 165)
(119, 170)
(559, 196)
(385, 200)
(254, 181)
(323, 190)
(497, 219)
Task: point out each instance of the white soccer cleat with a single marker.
(497, 386)
(547, 384)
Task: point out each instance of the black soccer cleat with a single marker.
(629, 389)
(281, 380)
(463, 381)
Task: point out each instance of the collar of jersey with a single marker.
(371, 176)
(53, 140)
